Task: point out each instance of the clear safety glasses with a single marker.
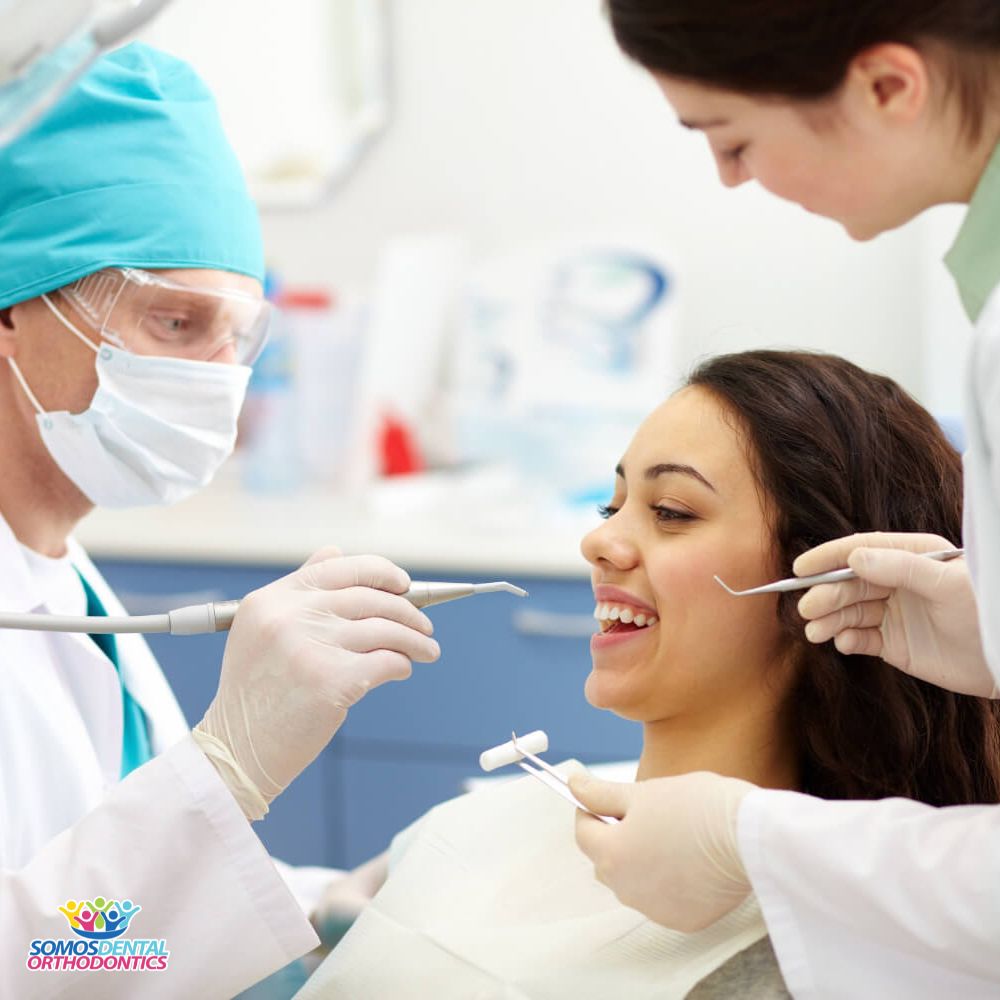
(148, 314)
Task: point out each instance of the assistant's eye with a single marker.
(606, 510)
(668, 514)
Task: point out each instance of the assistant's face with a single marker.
(686, 506)
(835, 158)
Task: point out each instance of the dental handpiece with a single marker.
(217, 616)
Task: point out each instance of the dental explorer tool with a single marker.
(516, 750)
(196, 619)
(834, 576)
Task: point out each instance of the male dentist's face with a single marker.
(59, 367)
(673, 644)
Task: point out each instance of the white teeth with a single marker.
(626, 614)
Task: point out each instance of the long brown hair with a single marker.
(838, 450)
(802, 48)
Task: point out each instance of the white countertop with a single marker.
(429, 524)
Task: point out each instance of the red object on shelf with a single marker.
(305, 298)
(399, 453)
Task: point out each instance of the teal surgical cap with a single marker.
(131, 169)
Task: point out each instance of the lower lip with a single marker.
(606, 640)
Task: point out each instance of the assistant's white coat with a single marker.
(895, 899)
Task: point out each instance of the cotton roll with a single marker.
(501, 756)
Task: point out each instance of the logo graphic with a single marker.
(98, 942)
(99, 920)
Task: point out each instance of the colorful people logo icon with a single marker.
(100, 918)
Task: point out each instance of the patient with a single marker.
(761, 456)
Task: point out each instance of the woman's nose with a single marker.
(609, 544)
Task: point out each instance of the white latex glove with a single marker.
(346, 897)
(673, 856)
(300, 653)
(915, 613)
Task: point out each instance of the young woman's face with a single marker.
(835, 159)
(686, 506)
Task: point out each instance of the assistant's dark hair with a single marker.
(837, 450)
(802, 48)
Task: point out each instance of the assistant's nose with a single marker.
(732, 170)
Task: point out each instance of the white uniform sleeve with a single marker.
(887, 898)
(307, 883)
(172, 839)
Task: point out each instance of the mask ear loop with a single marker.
(69, 326)
(19, 375)
(32, 398)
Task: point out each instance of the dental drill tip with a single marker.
(501, 586)
(722, 583)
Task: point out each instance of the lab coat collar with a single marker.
(19, 592)
(974, 258)
(18, 588)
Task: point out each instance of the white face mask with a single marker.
(156, 431)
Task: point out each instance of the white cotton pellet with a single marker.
(536, 742)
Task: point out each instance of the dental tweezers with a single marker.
(553, 780)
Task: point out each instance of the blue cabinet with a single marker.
(506, 665)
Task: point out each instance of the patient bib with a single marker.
(490, 899)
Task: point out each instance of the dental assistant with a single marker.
(867, 113)
(130, 310)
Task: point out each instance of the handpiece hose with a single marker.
(197, 619)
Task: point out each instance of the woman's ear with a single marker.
(892, 81)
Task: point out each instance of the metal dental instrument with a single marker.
(516, 751)
(834, 576)
(197, 619)
(423, 595)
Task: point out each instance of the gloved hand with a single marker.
(915, 613)
(673, 856)
(300, 653)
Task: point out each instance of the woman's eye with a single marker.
(606, 511)
(670, 513)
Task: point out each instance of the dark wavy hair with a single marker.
(837, 450)
(802, 48)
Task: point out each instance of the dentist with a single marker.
(130, 310)
(867, 113)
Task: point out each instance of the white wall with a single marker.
(516, 120)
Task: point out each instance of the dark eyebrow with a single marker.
(668, 468)
(701, 126)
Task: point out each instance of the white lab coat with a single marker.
(894, 899)
(170, 837)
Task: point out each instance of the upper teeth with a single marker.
(623, 613)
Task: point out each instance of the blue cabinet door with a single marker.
(297, 829)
